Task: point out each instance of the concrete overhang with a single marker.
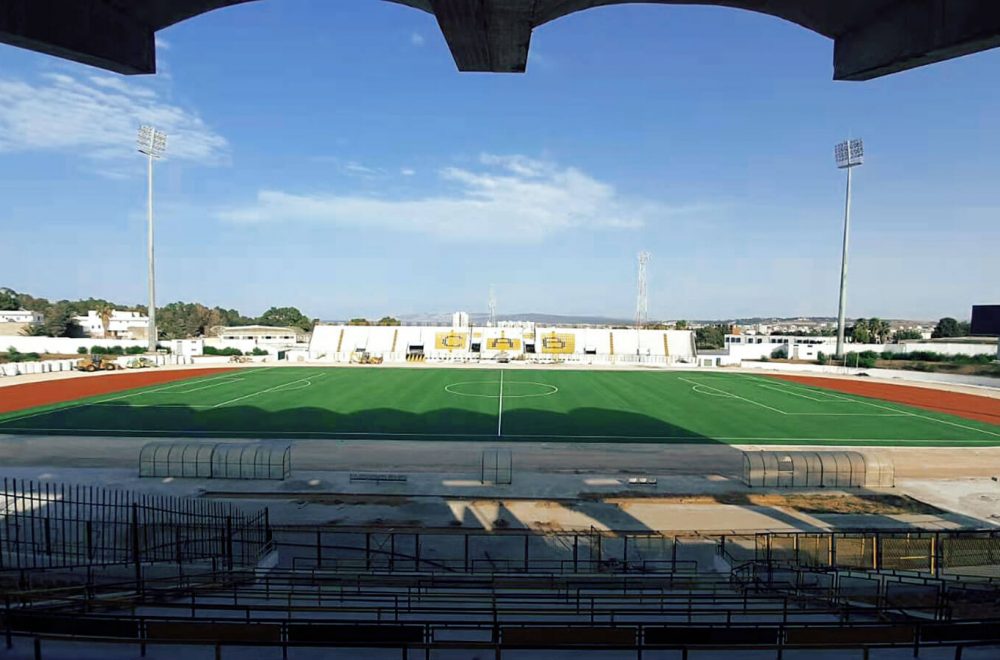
(871, 37)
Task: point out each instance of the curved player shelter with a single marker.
(816, 469)
(871, 37)
(216, 460)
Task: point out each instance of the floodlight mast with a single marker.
(151, 143)
(848, 154)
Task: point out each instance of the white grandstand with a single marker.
(521, 342)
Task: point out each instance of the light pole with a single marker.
(152, 143)
(849, 154)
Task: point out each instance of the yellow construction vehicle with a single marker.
(140, 363)
(97, 363)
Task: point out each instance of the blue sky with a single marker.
(328, 155)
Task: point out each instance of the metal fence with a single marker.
(920, 551)
(46, 525)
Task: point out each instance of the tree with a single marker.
(359, 321)
(681, 325)
(861, 333)
(387, 320)
(59, 322)
(947, 327)
(879, 330)
(903, 335)
(286, 317)
(710, 337)
(9, 300)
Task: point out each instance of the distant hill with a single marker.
(480, 318)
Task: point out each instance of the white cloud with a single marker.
(97, 117)
(417, 39)
(161, 43)
(407, 171)
(509, 198)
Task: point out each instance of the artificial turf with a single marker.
(536, 405)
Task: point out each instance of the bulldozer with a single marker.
(97, 363)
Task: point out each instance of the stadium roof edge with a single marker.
(871, 38)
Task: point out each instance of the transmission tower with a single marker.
(642, 300)
(493, 307)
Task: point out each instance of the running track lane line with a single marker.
(898, 411)
(4, 422)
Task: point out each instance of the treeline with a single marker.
(176, 320)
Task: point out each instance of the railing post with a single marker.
(229, 541)
(136, 552)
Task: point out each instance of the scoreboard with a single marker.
(986, 320)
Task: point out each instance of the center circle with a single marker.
(490, 389)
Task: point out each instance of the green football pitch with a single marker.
(510, 404)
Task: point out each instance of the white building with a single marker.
(21, 316)
(121, 325)
(460, 320)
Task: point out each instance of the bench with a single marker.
(378, 477)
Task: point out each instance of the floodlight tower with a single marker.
(642, 299)
(493, 308)
(849, 154)
(151, 143)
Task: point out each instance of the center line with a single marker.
(500, 411)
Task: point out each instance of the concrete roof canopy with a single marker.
(871, 37)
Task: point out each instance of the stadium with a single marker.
(489, 487)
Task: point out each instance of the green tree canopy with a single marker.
(681, 325)
(286, 317)
(861, 332)
(710, 337)
(903, 335)
(947, 327)
(388, 320)
(8, 300)
(359, 321)
(59, 322)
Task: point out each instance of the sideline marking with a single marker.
(500, 410)
(270, 389)
(938, 443)
(186, 381)
(205, 387)
(910, 414)
(50, 411)
(788, 391)
(735, 396)
(897, 412)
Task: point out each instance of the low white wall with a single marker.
(50, 366)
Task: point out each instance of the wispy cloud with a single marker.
(96, 117)
(417, 39)
(510, 198)
(407, 171)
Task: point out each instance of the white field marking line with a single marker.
(552, 389)
(205, 387)
(500, 409)
(167, 387)
(784, 390)
(150, 405)
(270, 389)
(735, 396)
(910, 414)
(710, 393)
(797, 440)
